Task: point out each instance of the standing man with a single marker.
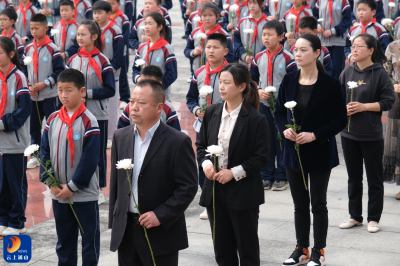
(164, 183)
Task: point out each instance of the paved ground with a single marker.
(353, 247)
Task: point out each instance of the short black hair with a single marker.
(371, 3)
(158, 89)
(72, 75)
(39, 18)
(10, 13)
(218, 37)
(102, 5)
(275, 24)
(212, 6)
(118, 1)
(67, 3)
(152, 71)
(308, 22)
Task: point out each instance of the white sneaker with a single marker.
(349, 224)
(33, 163)
(373, 228)
(204, 215)
(123, 105)
(109, 144)
(102, 199)
(2, 228)
(189, 80)
(13, 231)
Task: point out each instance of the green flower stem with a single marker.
(37, 108)
(351, 99)
(215, 167)
(137, 208)
(272, 103)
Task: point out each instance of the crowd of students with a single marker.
(45, 48)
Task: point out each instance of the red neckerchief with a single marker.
(117, 14)
(76, 2)
(364, 26)
(208, 76)
(3, 33)
(157, 45)
(330, 11)
(23, 12)
(110, 24)
(69, 121)
(271, 64)
(240, 8)
(3, 79)
(276, 9)
(92, 62)
(297, 14)
(213, 30)
(35, 56)
(255, 34)
(64, 29)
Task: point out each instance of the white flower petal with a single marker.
(352, 84)
(31, 149)
(270, 89)
(290, 105)
(54, 31)
(205, 90)
(124, 164)
(387, 21)
(248, 31)
(320, 20)
(226, 6)
(233, 8)
(215, 150)
(139, 62)
(27, 60)
(391, 4)
(197, 19)
(202, 35)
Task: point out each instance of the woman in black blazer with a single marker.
(243, 132)
(321, 113)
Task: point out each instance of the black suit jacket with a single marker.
(248, 146)
(167, 185)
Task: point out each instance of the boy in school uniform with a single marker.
(366, 12)
(216, 48)
(230, 21)
(168, 114)
(308, 25)
(4, 4)
(25, 13)
(83, 10)
(42, 74)
(67, 28)
(379, 15)
(71, 141)
(268, 69)
(8, 17)
(126, 7)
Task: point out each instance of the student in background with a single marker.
(5, 4)
(380, 14)
(25, 13)
(83, 10)
(195, 17)
(7, 21)
(277, 9)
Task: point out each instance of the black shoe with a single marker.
(299, 256)
(280, 185)
(317, 257)
(183, 37)
(267, 184)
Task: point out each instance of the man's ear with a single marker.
(83, 92)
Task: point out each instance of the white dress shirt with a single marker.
(140, 150)
(228, 121)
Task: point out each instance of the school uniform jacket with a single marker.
(135, 36)
(241, 39)
(142, 15)
(164, 58)
(192, 23)
(379, 11)
(50, 65)
(194, 41)
(127, 7)
(19, 24)
(123, 23)
(114, 48)
(390, 12)
(375, 29)
(244, 12)
(283, 62)
(290, 25)
(396, 26)
(14, 124)
(186, 6)
(324, 58)
(341, 21)
(84, 8)
(221, 4)
(70, 46)
(97, 93)
(168, 116)
(282, 6)
(83, 177)
(19, 46)
(5, 4)
(54, 5)
(167, 4)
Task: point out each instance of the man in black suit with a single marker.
(164, 183)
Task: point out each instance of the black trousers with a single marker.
(236, 232)
(355, 154)
(134, 250)
(316, 192)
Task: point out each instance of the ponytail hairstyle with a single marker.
(94, 28)
(241, 75)
(315, 44)
(378, 55)
(159, 19)
(8, 46)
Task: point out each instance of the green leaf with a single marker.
(48, 162)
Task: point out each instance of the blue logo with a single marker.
(161, 119)
(158, 60)
(80, 11)
(244, 14)
(107, 40)
(122, 3)
(12, 93)
(27, 17)
(280, 66)
(338, 7)
(92, 70)
(76, 136)
(45, 59)
(2, 8)
(72, 33)
(17, 249)
(288, 4)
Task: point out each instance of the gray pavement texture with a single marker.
(351, 247)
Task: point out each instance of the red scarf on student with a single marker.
(76, 2)
(208, 76)
(3, 79)
(92, 62)
(110, 24)
(271, 64)
(23, 12)
(157, 45)
(297, 14)
(364, 26)
(255, 34)
(330, 10)
(3, 33)
(240, 8)
(276, 9)
(119, 13)
(35, 56)
(69, 121)
(64, 29)
(213, 30)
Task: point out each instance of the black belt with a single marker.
(133, 217)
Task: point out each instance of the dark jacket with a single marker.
(367, 126)
(248, 146)
(325, 115)
(167, 185)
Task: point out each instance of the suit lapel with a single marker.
(240, 123)
(130, 143)
(315, 95)
(215, 124)
(156, 141)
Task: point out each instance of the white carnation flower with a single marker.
(196, 19)
(124, 164)
(54, 31)
(226, 6)
(387, 22)
(270, 89)
(320, 20)
(391, 4)
(275, 1)
(291, 17)
(233, 8)
(27, 60)
(352, 38)
(352, 84)
(248, 31)
(139, 62)
(214, 150)
(31, 149)
(290, 105)
(205, 90)
(42, 1)
(202, 35)
(141, 27)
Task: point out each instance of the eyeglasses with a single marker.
(356, 47)
(3, 19)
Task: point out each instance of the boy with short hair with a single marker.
(71, 141)
(65, 39)
(42, 74)
(309, 25)
(168, 114)
(268, 69)
(5, 4)
(216, 48)
(83, 10)
(366, 12)
(25, 13)
(7, 20)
